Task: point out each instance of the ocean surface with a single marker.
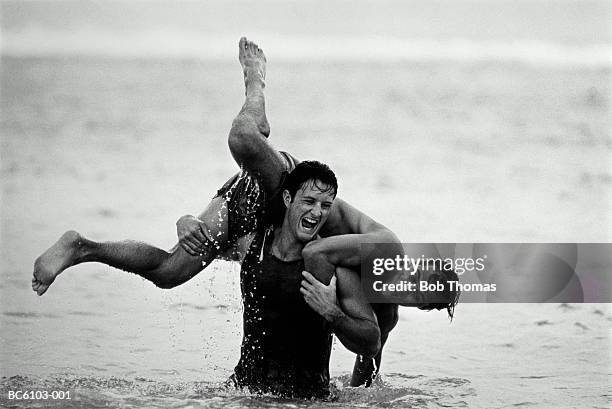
(457, 123)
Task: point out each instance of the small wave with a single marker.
(566, 306)
(220, 307)
(85, 313)
(581, 325)
(450, 381)
(106, 213)
(550, 346)
(26, 314)
(543, 322)
(536, 377)
(396, 375)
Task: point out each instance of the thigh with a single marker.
(263, 161)
(218, 219)
(215, 217)
(182, 265)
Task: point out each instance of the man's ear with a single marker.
(286, 198)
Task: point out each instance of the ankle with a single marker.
(253, 78)
(83, 249)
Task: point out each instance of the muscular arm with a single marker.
(343, 305)
(345, 230)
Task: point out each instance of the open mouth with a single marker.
(308, 223)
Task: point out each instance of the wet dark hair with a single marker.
(321, 176)
(449, 298)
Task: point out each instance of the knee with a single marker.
(166, 276)
(241, 140)
(165, 285)
(387, 236)
(162, 277)
(314, 255)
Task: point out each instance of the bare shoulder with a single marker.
(347, 219)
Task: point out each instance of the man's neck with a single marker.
(285, 246)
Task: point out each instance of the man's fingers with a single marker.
(185, 242)
(307, 295)
(307, 285)
(198, 235)
(193, 242)
(205, 233)
(189, 248)
(194, 239)
(311, 279)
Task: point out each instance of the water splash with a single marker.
(91, 391)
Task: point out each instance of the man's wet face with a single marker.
(309, 209)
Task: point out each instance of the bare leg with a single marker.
(164, 269)
(167, 269)
(248, 137)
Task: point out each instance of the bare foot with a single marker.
(56, 259)
(252, 59)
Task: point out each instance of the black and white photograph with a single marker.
(306, 204)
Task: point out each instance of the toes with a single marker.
(250, 48)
